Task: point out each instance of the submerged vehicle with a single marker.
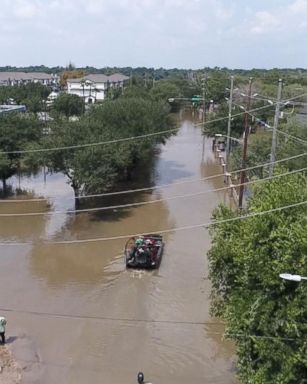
(144, 251)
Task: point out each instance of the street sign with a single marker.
(196, 99)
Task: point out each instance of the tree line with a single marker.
(263, 315)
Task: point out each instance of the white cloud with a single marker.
(224, 14)
(94, 6)
(264, 22)
(26, 9)
(167, 33)
(298, 7)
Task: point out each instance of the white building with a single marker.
(19, 78)
(51, 98)
(94, 87)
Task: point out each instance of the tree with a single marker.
(220, 126)
(98, 168)
(163, 90)
(70, 73)
(265, 316)
(31, 95)
(17, 132)
(259, 148)
(136, 91)
(69, 105)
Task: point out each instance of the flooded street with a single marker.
(76, 315)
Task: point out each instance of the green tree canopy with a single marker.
(98, 168)
(31, 95)
(17, 133)
(163, 90)
(69, 105)
(265, 316)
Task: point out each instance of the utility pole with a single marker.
(204, 79)
(229, 121)
(275, 126)
(244, 155)
(204, 113)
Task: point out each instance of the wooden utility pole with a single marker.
(229, 121)
(244, 154)
(203, 81)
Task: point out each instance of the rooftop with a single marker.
(100, 78)
(4, 76)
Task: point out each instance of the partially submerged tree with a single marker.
(97, 168)
(17, 132)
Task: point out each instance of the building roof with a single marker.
(116, 77)
(100, 78)
(5, 76)
(97, 78)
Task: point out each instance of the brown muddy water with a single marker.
(76, 315)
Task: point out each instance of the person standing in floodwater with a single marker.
(2, 329)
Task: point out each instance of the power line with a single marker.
(132, 138)
(242, 335)
(291, 136)
(187, 227)
(146, 321)
(295, 97)
(91, 144)
(279, 131)
(235, 115)
(265, 98)
(129, 205)
(106, 318)
(161, 185)
(116, 140)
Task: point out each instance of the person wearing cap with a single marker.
(139, 241)
(2, 329)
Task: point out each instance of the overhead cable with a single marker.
(129, 205)
(150, 201)
(38, 150)
(233, 115)
(159, 186)
(146, 321)
(302, 141)
(170, 230)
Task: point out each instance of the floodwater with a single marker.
(76, 315)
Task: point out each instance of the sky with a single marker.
(154, 33)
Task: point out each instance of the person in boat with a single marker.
(149, 242)
(138, 248)
(139, 241)
(152, 251)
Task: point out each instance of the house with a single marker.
(94, 87)
(20, 78)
